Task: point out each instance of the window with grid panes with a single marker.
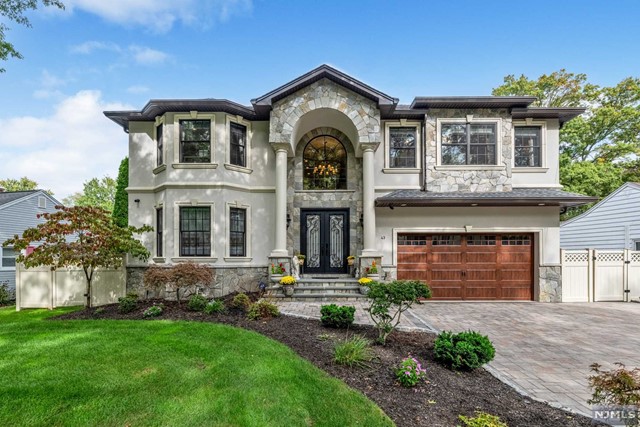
(468, 143)
(195, 231)
(8, 258)
(159, 226)
(237, 232)
(527, 146)
(159, 145)
(195, 141)
(238, 144)
(402, 147)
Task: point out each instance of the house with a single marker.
(462, 192)
(18, 211)
(613, 223)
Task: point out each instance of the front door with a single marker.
(325, 240)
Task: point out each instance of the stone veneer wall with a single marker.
(469, 180)
(351, 198)
(226, 280)
(550, 284)
(324, 94)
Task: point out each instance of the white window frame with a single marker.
(176, 231)
(42, 202)
(543, 145)
(156, 258)
(472, 120)
(193, 115)
(247, 236)
(387, 145)
(247, 149)
(160, 121)
(2, 257)
(636, 245)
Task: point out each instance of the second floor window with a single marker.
(159, 145)
(195, 141)
(468, 143)
(527, 146)
(238, 145)
(402, 147)
(238, 232)
(195, 231)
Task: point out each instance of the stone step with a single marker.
(306, 290)
(320, 297)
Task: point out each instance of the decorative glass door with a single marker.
(325, 240)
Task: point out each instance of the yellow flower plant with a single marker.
(288, 280)
(364, 281)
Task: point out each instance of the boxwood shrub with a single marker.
(197, 303)
(335, 316)
(463, 351)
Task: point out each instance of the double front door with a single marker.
(324, 240)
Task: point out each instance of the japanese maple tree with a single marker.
(79, 236)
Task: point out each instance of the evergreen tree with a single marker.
(121, 205)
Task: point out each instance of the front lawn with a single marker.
(106, 372)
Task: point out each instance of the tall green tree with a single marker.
(79, 236)
(20, 184)
(14, 10)
(121, 205)
(96, 192)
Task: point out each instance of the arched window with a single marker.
(325, 164)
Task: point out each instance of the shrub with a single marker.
(410, 372)
(241, 301)
(215, 306)
(154, 311)
(127, 303)
(4, 294)
(463, 351)
(197, 303)
(177, 278)
(337, 317)
(355, 351)
(617, 387)
(262, 310)
(482, 419)
(400, 294)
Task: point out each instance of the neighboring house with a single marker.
(613, 223)
(462, 192)
(18, 211)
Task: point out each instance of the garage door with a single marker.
(469, 266)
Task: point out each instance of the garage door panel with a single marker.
(445, 258)
(447, 292)
(481, 257)
(481, 292)
(481, 275)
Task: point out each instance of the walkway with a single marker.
(543, 350)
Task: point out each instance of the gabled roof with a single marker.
(384, 101)
(9, 198)
(633, 185)
(516, 197)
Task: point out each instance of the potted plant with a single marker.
(350, 259)
(277, 271)
(364, 283)
(287, 283)
(372, 271)
(301, 258)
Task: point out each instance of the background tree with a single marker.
(96, 192)
(14, 10)
(21, 184)
(598, 150)
(121, 204)
(79, 236)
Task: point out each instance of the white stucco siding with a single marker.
(549, 174)
(542, 221)
(614, 223)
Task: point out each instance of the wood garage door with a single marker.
(469, 266)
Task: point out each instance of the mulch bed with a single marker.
(438, 402)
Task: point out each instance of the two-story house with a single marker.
(462, 192)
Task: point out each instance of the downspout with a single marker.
(423, 154)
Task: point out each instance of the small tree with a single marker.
(121, 204)
(79, 236)
(616, 387)
(398, 295)
(178, 278)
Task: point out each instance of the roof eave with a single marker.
(427, 102)
(483, 202)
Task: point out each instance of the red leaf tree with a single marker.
(79, 236)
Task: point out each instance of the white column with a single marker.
(280, 248)
(368, 196)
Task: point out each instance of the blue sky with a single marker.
(118, 54)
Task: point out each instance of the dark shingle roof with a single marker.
(517, 197)
(10, 196)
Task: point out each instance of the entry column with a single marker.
(368, 196)
(280, 249)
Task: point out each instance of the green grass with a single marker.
(162, 373)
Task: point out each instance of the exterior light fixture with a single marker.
(288, 220)
(137, 202)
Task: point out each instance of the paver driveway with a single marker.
(546, 349)
(542, 349)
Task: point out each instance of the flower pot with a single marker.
(364, 290)
(374, 276)
(276, 277)
(288, 290)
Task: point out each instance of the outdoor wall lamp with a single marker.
(137, 202)
(288, 220)
(361, 219)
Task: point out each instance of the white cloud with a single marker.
(137, 89)
(160, 15)
(92, 45)
(61, 151)
(147, 56)
(49, 86)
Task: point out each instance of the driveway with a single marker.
(543, 350)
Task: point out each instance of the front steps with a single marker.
(328, 288)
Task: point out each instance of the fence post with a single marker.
(626, 259)
(591, 274)
(18, 286)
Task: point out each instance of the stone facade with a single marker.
(225, 281)
(476, 178)
(550, 284)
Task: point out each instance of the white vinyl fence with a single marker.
(600, 275)
(43, 288)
